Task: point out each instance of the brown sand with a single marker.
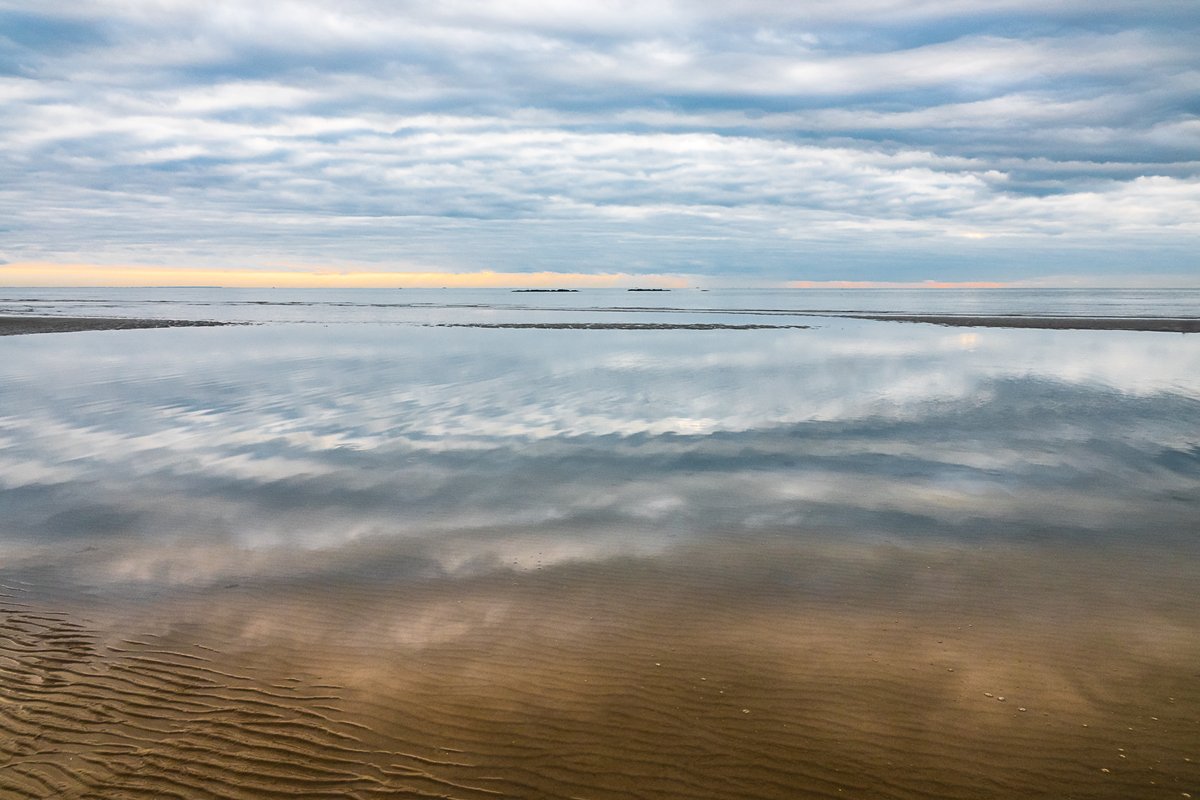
(1160, 324)
(716, 671)
(15, 326)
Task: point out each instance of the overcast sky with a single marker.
(872, 140)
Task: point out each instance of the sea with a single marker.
(457, 305)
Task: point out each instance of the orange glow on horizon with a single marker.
(31, 274)
(91, 275)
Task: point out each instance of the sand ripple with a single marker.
(725, 673)
(133, 719)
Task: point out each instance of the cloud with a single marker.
(603, 137)
(45, 274)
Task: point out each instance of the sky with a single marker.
(355, 142)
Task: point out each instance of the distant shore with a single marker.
(16, 326)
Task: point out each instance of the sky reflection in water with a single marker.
(200, 456)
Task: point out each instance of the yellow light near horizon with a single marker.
(43, 274)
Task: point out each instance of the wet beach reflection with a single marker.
(615, 563)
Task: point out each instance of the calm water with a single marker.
(296, 435)
(603, 563)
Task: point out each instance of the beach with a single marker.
(474, 551)
(904, 673)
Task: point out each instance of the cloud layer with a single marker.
(871, 139)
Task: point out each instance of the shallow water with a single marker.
(761, 563)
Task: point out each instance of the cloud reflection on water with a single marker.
(196, 457)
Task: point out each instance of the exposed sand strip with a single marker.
(14, 326)
(1158, 324)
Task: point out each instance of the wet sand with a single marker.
(15, 326)
(1159, 324)
(717, 670)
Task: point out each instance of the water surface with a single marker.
(648, 563)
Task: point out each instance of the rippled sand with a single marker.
(715, 670)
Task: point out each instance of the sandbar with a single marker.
(1158, 324)
(17, 326)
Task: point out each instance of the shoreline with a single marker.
(20, 326)
(23, 325)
